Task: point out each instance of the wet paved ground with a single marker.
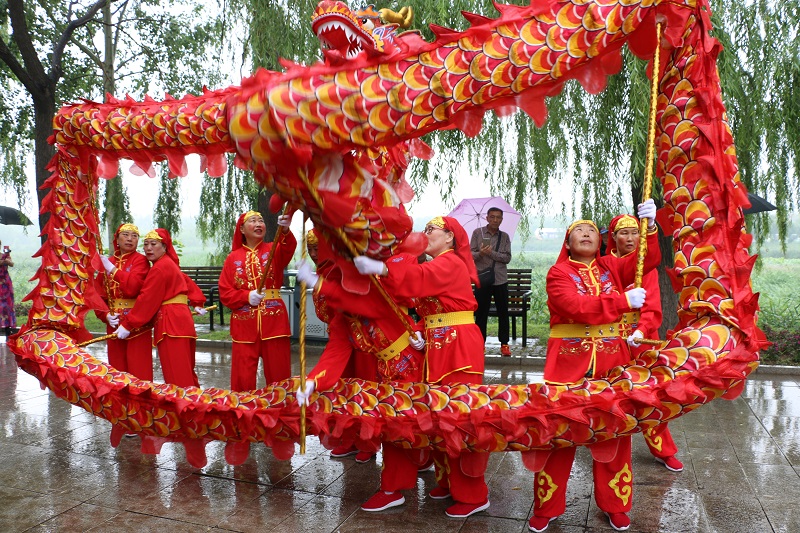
(59, 473)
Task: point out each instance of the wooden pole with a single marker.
(272, 250)
(302, 335)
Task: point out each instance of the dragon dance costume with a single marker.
(659, 439)
(261, 331)
(164, 297)
(119, 290)
(589, 324)
(442, 290)
(377, 344)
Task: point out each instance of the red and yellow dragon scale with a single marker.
(350, 127)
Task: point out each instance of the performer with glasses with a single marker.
(442, 291)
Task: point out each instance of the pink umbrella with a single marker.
(471, 213)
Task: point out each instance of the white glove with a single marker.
(284, 221)
(302, 395)
(633, 339)
(255, 298)
(416, 341)
(122, 333)
(636, 297)
(306, 275)
(367, 265)
(107, 264)
(200, 310)
(113, 320)
(648, 210)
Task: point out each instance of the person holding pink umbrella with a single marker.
(491, 250)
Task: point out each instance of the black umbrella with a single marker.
(758, 205)
(13, 217)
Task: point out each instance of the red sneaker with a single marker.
(505, 350)
(364, 457)
(672, 463)
(439, 493)
(539, 523)
(619, 521)
(463, 510)
(382, 501)
(343, 451)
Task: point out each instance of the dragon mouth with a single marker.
(335, 35)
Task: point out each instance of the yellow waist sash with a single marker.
(394, 350)
(122, 303)
(615, 329)
(272, 294)
(456, 318)
(179, 299)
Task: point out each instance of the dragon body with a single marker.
(334, 140)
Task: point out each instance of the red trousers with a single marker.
(133, 355)
(399, 469)
(177, 360)
(660, 442)
(276, 356)
(462, 475)
(613, 482)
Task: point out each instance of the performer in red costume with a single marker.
(442, 290)
(623, 239)
(321, 307)
(361, 364)
(380, 348)
(588, 331)
(163, 299)
(259, 320)
(119, 286)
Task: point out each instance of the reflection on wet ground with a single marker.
(59, 473)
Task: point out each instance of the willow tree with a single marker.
(49, 54)
(275, 30)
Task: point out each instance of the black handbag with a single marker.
(486, 276)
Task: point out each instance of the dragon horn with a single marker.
(403, 18)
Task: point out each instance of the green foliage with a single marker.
(222, 200)
(785, 348)
(117, 206)
(598, 143)
(167, 212)
(143, 46)
(759, 72)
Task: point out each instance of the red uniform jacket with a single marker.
(589, 294)
(651, 315)
(164, 282)
(124, 283)
(441, 285)
(241, 274)
(368, 335)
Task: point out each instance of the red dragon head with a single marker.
(344, 34)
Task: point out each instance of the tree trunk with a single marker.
(114, 197)
(270, 218)
(669, 298)
(44, 110)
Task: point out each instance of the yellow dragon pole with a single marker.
(647, 188)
